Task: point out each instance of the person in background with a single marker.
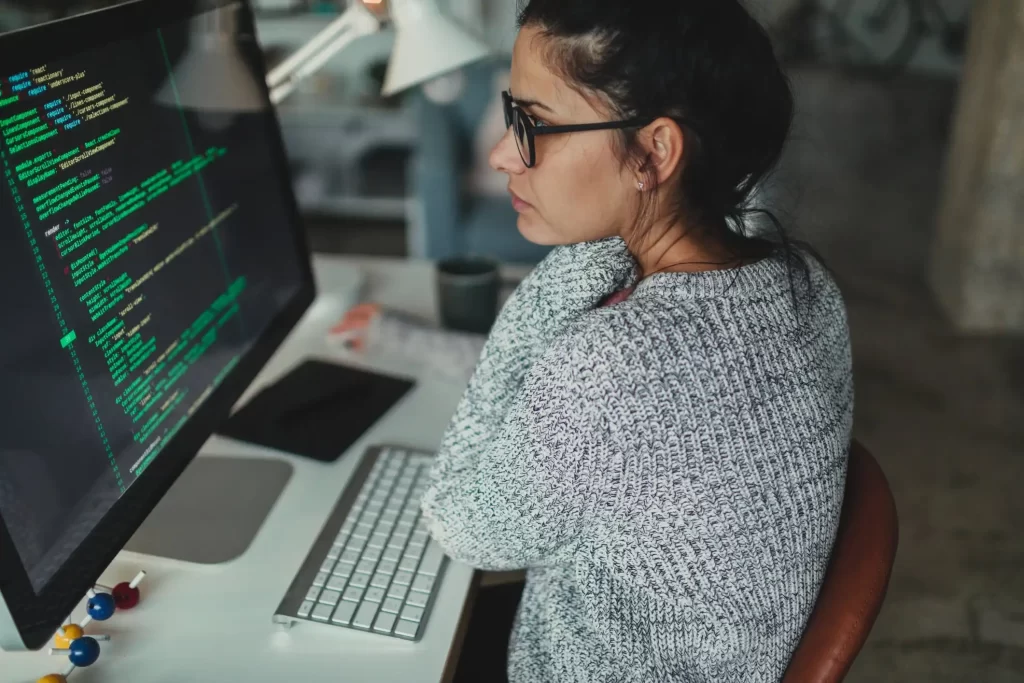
(658, 426)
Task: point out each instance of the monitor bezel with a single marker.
(37, 616)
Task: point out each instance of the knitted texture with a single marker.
(670, 469)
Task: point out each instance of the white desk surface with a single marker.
(198, 624)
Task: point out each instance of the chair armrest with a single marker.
(435, 178)
(857, 577)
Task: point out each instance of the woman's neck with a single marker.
(674, 247)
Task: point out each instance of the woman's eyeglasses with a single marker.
(525, 130)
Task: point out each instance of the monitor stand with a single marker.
(195, 521)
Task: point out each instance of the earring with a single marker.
(640, 185)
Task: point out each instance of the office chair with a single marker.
(856, 579)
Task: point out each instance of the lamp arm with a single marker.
(353, 23)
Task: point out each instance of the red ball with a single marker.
(125, 597)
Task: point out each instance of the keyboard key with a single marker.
(372, 554)
(366, 566)
(374, 594)
(353, 594)
(329, 598)
(397, 591)
(392, 555)
(414, 551)
(321, 579)
(364, 617)
(386, 567)
(409, 564)
(322, 612)
(333, 553)
(327, 566)
(355, 544)
(385, 622)
(419, 536)
(406, 629)
(313, 593)
(380, 580)
(396, 542)
(424, 584)
(337, 583)
(412, 613)
(359, 580)
(378, 540)
(349, 556)
(417, 599)
(387, 518)
(403, 578)
(392, 605)
(433, 558)
(342, 570)
(305, 608)
(343, 615)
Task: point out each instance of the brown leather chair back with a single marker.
(857, 576)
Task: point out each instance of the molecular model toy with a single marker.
(83, 650)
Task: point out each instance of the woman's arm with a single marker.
(511, 491)
(571, 281)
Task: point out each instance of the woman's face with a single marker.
(578, 190)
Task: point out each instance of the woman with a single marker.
(658, 426)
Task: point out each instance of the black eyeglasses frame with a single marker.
(514, 115)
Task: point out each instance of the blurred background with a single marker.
(906, 170)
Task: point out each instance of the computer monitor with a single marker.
(151, 261)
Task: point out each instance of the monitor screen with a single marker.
(148, 244)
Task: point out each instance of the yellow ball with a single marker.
(52, 678)
(70, 632)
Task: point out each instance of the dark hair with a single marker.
(708, 65)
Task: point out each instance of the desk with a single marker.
(199, 624)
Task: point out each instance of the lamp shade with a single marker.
(427, 45)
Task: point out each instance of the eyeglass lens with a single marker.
(515, 120)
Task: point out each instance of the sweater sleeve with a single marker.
(568, 284)
(511, 494)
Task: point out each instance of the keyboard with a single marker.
(374, 567)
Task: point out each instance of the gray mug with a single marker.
(468, 288)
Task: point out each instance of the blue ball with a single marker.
(84, 651)
(101, 606)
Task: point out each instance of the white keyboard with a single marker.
(373, 567)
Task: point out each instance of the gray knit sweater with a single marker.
(670, 469)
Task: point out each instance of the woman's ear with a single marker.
(664, 142)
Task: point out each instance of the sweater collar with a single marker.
(754, 279)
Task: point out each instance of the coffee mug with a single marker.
(468, 288)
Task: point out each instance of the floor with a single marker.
(943, 413)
